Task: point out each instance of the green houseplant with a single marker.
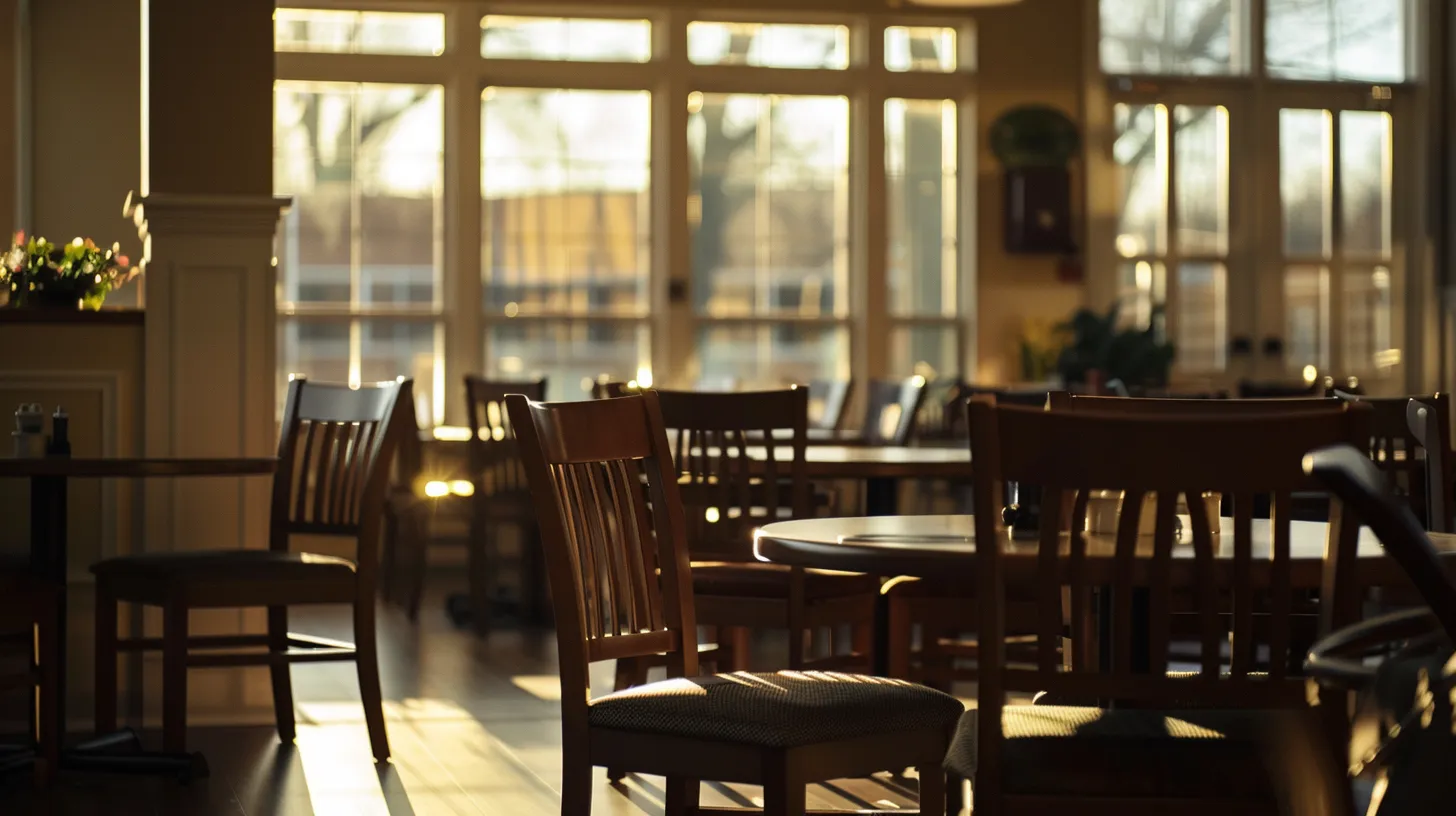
(1139, 357)
(36, 273)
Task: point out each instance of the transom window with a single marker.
(615, 208)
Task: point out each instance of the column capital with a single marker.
(219, 215)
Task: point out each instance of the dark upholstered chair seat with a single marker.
(762, 580)
(220, 577)
(1070, 750)
(778, 710)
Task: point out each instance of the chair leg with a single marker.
(481, 559)
(419, 561)
(740, 645)
(784, 792)
(631, 671)
(682, 796)
(281, 673)
(576, 779)
(366, 660)
(932, 787)
(49, 648)
(955, 794)
(106, 658)
(174, 678)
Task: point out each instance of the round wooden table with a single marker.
(943, 547)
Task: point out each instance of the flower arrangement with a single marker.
(78, 275)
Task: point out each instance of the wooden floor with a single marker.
(473, 723)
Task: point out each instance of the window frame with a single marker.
(672, 323)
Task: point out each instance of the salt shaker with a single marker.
(29, 433)
(60, 442)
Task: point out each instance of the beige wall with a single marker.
(1029, 53)
(86, 133)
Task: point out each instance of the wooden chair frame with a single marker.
(1071, 451)
(614, 533)
(334, 454)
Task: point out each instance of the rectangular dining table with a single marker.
(49, 561)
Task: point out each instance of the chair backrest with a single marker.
(1430, 426)
(829, 403)
(729, 480)
(611, 525)
(1396, 449)
(1361, 485)
(494, 455)
(335, 455)
(1170, 406)
(892, 408)
(1166, 456)
(409, 457)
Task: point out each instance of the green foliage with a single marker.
(80, 274)
(1138, 357)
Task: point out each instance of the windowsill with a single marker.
(104, 317)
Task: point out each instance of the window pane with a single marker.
(1337, 39)
(1366, 331)
(561, 38)
(920, 167)
(317, 349)
(920, 49)
(770, 206)
(772, 356)
(932, 352)
(1306, 311)
(566, 210)
(364, 165)
(1141, 151)
(769, 45)
(1200, 37)
(1305, 178)
(1200, 329)
(1365, 182)
(569, 355)
(1202, 149)
(362, 351)
(1141, 287)
(358, 32)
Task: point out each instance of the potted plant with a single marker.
(1099, 350)
(36, 273)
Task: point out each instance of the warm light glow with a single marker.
(462, 487)
(1310, 373)
(451, 433)
(712, 515)
(437, 490)
(644, 377)
(513, 309)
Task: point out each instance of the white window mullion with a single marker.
(869, 206)
(464, 333)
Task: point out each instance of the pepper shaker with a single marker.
(60, 444)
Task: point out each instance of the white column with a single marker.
(211, 361)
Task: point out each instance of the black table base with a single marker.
(117, 753)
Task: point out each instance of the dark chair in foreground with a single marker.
(615, 539)
(1249, 389)
(30, 608)
(1397, 449)
(1430, 427)
(333, 471)
(1228, 739)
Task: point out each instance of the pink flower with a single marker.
(121, 260)
(20, 237)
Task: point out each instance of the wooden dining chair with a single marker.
(1430, 426)
(727, 495)
(615, 536)
(334, 455)
(892, 408)
(1250, 389)
(501, 499)
(1228, 738)
(30, 608)
(1396, 449)
(829, 403)
(404, 541)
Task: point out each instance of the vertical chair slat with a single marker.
(1206, 590)
(1280, 591)
(323, 471)
(1160, 596)
(1049, 612)
(303, 473)
(1122, 585)
(1242, 657)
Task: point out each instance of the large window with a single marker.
(641, 213)
(1256, 216)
